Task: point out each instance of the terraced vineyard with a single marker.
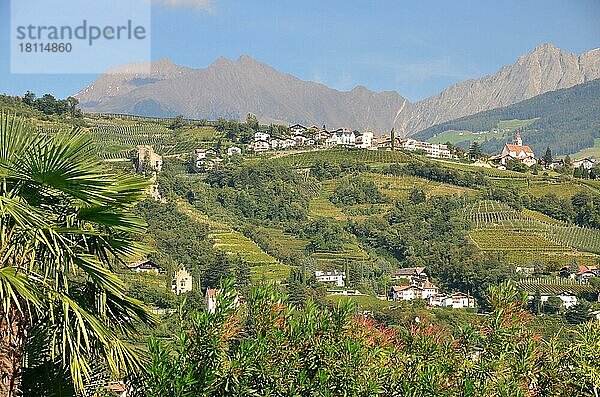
(118, 140)
(553, 285)
(288, 241)
(562, 190)
(400, 186)
(511, 240)
(555, 259)
(321, 206)
(337, 156)
(350, 252)
(497, 227)
(263, 265)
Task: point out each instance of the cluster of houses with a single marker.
(582, 273)
(208, 159)
(415, 285)
(301, 136)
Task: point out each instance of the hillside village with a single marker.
(408, 284)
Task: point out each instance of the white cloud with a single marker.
(205, 5)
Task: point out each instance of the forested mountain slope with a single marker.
(567, 120)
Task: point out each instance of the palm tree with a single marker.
(65, 221)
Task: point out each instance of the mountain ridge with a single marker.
(232, 88)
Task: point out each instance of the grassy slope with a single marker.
(505, 131)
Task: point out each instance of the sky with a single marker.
(416, 48)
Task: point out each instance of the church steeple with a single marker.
(518, 140)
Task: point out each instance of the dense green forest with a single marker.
(568, 121)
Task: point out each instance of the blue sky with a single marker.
(416, 48)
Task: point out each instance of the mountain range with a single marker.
(231, 89)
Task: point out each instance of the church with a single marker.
(516, 151)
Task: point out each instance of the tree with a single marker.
(252, 122)
(568, 162)
(29, 98)
(177, 123)
(548, 157)
(72, 106)
(417, 196)
(553, 305)
(474, 150)
(65, 221)
(536, 303)
(579, 313)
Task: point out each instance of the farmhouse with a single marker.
(297, 129)
(429, 289)
(261, 136)
(182, 282)
(584, 273)
(405, 292)
(587, 163)
(144, 266)
(341, 136)
(415, 275)
(568, 298)
(333, 277)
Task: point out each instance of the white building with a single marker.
(435, 150)
(457, 300)
(568, 298)
(587, 163)
(144, 266)
(297, 129)
(260, 146)
(364, 140)
(234, 151)
(516, 151)
(211, 299)
(182, 282)
(333, 277)
(429, 290)
(341, 136)
(405, 292)
(415, 275)
(261, 136)
(147, 160)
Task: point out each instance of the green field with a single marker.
(514, 124)
(562, 190)
(400, 186)
(505, 130)
(456, 137)
(588, 152)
